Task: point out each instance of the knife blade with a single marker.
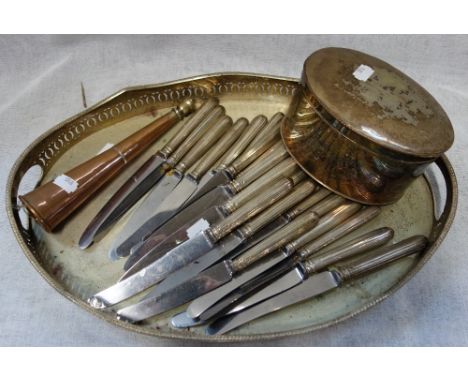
(182, 158)
(276, 265)
(321, 283)
(142, 180)
(183, 294)
(174, 233)
(182, 321)
(261, 136)
(194, 268)
(202, 242)
(313, 264)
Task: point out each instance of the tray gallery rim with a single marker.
(445, 221)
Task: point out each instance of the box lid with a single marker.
(378, 102)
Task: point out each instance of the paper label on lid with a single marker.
(363, 72)
(66, 183)
(107, 146)
(196, 228)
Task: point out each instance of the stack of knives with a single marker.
(230, 223)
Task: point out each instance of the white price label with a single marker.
(196, 228)
(66, 183)
(363, 72)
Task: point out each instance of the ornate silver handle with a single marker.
(363, 243)
(204, 126)
(380, 257)
(276, 240)
(204, 145)
(298, 176)
(285, 169)
(270, 158)
(309, 202)
(301, 221)
(204, 163)
(298, 193)
(250, 209)
(270, 128)
(329, 203)
(265, 139)
(327, 222)
(237, 148)
(349, 225)
(188, 127)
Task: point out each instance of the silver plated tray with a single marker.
(428, 207)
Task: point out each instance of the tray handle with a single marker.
(444, 207)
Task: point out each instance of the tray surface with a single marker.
(427, 208)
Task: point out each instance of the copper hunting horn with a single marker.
(54, 201)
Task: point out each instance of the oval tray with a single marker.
(427, 208)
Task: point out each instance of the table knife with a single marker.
(203, 238)
(194, 268)
(305, 246)
(258, 122)
(142, 180)
(322, 282)
(329, 222)
(216, 276)
(189, 214)
(269, 280)
(247, 230)
(314, 264)
(189, 182)
(174, 233)
(184, 157)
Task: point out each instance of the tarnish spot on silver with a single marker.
(395, 98)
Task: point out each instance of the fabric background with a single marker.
(40, 86)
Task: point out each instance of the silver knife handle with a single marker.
(266, 138)
(298, 193)
(363, 243)
(188, 127)
(327, 222)
(329, 203)
(270, 158)
(285, 169)
(201, 166)
(307, 203)
(272, 128)
(239, 146)
(349, 225)
(204, 145)
(205, 124)
(325, 205)
(250, 209)
(380, 257)
(298, 176)
(275, 241)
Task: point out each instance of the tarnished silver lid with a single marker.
(378, 102)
